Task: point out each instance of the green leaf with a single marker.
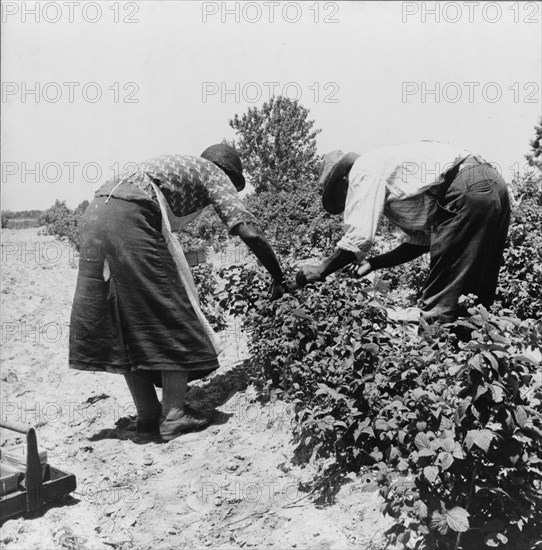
(438, 522)
(491, 360)
(445, 460)
(521, 416)
(371, 348)
(476, 362)
(381, 424)
(418, 393)
(494, 540)
(376, 455)
(431, 473)
(458, 519)
(526, 357)
(483, 312)
(421, 509)
(480, 438)
(454, 369)
(497, 392)
(448, 444)
(482, 389)
(458, 452)
(422, 441)
(301, 314)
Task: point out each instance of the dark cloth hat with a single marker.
(335, 166)
(226, 158)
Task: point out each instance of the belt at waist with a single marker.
(133, 187)
(467, 162)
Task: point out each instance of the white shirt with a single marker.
(400, 182)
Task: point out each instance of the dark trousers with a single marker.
(467, 242)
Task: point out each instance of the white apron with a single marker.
(183, 268)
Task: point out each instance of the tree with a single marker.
(534, 158)
(277, 144)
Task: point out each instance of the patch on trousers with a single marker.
(107, 272)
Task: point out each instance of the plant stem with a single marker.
(458, 538)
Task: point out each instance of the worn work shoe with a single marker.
(190, 421)
(147, 425)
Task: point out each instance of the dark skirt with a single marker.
(140, 318)
(467, 242)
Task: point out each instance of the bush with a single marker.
(451, 430)
(409, 278)
(21, 214)
(295, 222)
(206, 230)
(62, 222)
(520, 281)
(207, 284)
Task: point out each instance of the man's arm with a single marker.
(405, 252)
(233, 213)
(312, 273)
(365, 201)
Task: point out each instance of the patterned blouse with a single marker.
(188, 183)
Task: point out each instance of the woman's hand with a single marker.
(279, 288)
(309, 274)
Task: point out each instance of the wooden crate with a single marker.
(16, 457)
(35, 489)
(9, 479)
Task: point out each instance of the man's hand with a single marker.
(358, 270)
(309, 274)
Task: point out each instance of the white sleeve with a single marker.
(363, 209)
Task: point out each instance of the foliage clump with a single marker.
(448, 423)
(207, 284)
(520, 279)
(62, 222)
(534, 156)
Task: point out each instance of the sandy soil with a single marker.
(230, 486)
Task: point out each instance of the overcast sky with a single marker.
(88, 87)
